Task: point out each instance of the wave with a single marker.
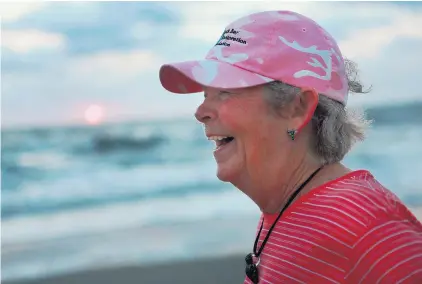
(12, 209)
(136, 213)
(106, 185)
(397, 114)
(107, 143)
(67, 168)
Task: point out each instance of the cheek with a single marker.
(258, 152)
(254, 129)
(234, 116)
(258, 147)
(265, 140)
(242, 116)
(255, 153)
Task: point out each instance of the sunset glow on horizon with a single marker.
(94, 114)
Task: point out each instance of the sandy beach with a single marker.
(225, 265)
(223, 270)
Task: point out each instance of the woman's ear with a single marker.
(304, 107)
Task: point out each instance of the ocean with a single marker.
(79, 197)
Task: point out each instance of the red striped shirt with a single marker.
(350, 230)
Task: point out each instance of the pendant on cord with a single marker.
(251, 269)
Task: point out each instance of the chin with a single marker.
(226, 174)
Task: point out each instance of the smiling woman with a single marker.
(275, 103)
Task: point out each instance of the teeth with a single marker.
(217, 138)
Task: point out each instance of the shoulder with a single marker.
(364, 198)
(388, 251)
(345, 209)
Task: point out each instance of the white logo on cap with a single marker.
(324, 54)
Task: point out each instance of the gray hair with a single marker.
(335, 128)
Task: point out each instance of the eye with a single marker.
(224, 94)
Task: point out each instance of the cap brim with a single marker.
(192, 76)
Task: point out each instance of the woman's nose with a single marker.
(205, 112)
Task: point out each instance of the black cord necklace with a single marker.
(251, 267)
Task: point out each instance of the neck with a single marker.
(275, 198)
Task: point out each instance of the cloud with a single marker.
(112, 52)
(25, 41)
(367, 43)
(13, 11)
(117, 80)
(208, 25)
(114, 64)
(142, 30)
(94, 26)
(394, 74)
(89, 76)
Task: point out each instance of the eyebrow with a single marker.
(224, 91)
(221, 91)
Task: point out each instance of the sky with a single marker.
(61, 58)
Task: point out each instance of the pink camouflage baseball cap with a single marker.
(264, 47)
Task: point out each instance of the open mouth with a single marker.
(221, 141)
(224, 141)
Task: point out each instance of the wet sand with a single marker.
(206, 271)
